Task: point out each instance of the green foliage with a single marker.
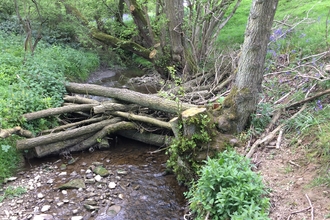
(9, 159)
(262, 117)
(12, 192)
(228, 189)
(31, 83)
(184, 150)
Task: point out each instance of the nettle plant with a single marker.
(228, 189)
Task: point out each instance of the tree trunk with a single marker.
(51, 138)
(150, 101)
(57, 111)
(243, 98)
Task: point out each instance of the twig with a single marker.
(308, 99)
(295, 212)
(271, 135)
(279, 139)
(302, 210)
(293, 163)
(311, 206)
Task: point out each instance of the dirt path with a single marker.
(289, 174)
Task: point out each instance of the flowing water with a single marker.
(142, 190)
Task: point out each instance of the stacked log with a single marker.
(128, 113)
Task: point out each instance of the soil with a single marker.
(289, 174)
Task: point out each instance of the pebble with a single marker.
(40, 195)
(45, 208)
(112, 185)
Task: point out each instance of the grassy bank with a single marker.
(30, 83)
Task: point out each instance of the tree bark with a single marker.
(111, 128)
(144, 119)
(57, 111)
(147, 138)
(56, 147)
(243, 98)
(145, 100)
(51, 138)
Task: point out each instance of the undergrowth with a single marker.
(228, 189)
(31, 83)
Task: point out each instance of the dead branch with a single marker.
(73, 125)
(111, 128)
(80, 100)
(302, 210)
(57, 111)
(308, 99)
(109, 106)
(47, 149)
(16, 130)
(268, 137)
(51, 138)
(145, 119)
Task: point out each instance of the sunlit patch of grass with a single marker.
(307, 37)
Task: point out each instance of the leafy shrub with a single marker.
(228, 189)
(9, 160)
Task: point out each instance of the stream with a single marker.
(136, 187)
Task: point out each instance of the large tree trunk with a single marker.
(243, 98)
(150, 101)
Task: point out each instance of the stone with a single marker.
(63, 174)
(45, 208)
(77, 217)
(43, 217)
(73, 184)
(40, 195)
(90, 207)
(121, 172)
(112, 185)
(113, 210)
(99, 170)
(98, 178)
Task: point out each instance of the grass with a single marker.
(11, 192)
(299, 31)
(295, 10)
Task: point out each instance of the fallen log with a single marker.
(150, 101)
(55, 137)
(80, 100)
(73, 125)
(57, 111)
(147, 138)
(101, 134)
(145, 119)
(56, 147)
(102, 108)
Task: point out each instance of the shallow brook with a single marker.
(141, 189)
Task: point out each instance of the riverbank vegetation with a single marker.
(295, 69)
(30, 83)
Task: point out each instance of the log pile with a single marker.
(88, 123)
